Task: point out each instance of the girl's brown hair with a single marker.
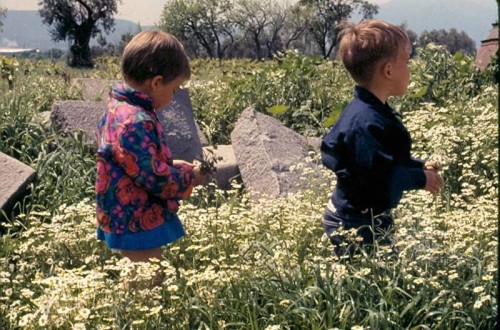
(153, 53)
(363, 46)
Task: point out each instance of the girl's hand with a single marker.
(179, 162)
(199, 176)
(432, 165)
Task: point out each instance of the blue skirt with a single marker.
(164, 234)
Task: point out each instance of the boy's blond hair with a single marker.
(153, 53)
(363, 46)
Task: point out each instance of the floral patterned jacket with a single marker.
(137, 186)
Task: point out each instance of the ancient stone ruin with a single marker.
(262, 154)
(15, 177)
(265, 150)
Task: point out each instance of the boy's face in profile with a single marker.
(401, 72)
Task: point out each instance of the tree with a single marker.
(295, 26)
(78, 21)
(205, 21)
(453, 40)
(267, 23)
(326, 15)
(257, 18)
(2, 15)
(124, 40)
(274, 33)
(413, 36)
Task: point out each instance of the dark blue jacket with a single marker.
(369, 151)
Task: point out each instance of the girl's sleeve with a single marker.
(140, 154)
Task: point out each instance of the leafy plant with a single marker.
(208, 161)
(263, 264)
(439, 77)
(311, 90)
(8, 68)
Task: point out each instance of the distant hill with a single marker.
(473, 17)
(25, 29)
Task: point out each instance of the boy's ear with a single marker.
(387, 70)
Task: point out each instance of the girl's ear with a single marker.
(155, 82)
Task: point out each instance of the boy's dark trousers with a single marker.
(380, 228)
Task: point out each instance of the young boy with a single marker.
(369, 147)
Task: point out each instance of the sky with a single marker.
(472, 16)
(145, 12)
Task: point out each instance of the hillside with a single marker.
(25, 29)
(475, 18)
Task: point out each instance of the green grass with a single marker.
(246, 264)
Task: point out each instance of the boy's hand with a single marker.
(433, 181)
(432, 165)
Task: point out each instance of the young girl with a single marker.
(138, 184)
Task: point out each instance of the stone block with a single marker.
(179, 127)
(15, 177)
(227, 168)
(203, 139)
(78, 115)
(265, 150)
(177, 119)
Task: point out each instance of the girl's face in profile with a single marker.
(163, 93)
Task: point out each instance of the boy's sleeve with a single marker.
(327, 147)
(416, 162)
(408, 178)
(373, 158)
(138, 153)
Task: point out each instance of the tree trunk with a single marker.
(330, 49)
(80, 55)
(258, 48)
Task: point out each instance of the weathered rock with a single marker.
(314, 143)
(177, 119)
(180, 128)
(15, 177)
(227, 168)
(93, 89)
(265, 150)
(78, 115)
(203, 139)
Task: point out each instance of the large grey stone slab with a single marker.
(265, 151)
(180, 128)
(203, 139)
(227, 167)
(177, 119)
(94, 89)
(15, 177)
(78, 115)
